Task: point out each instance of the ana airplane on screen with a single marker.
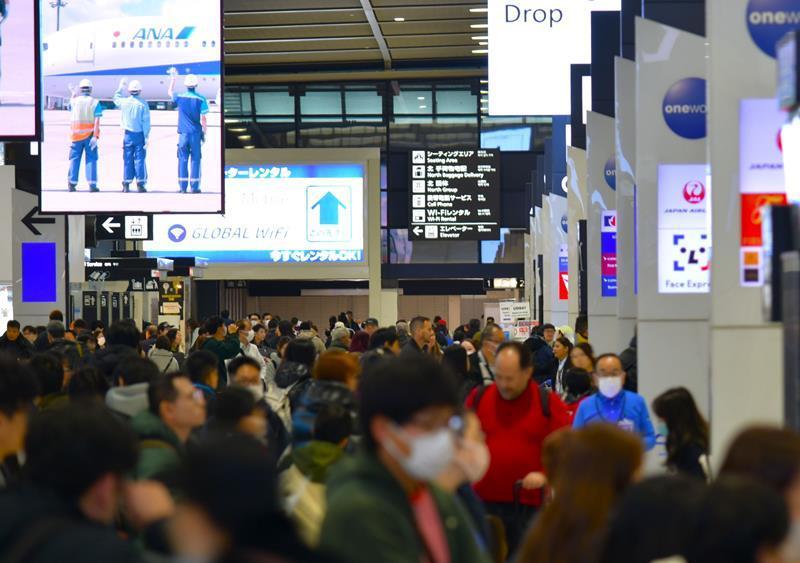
(136, 48)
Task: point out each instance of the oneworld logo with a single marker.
(685, 108)
(694, 192)
(610, 172)
(769, 20)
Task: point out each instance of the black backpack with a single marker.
(544, 399)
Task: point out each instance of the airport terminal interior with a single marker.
(400, 281)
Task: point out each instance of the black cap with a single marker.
(372, 321)
(162, 326)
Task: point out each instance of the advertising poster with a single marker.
(275, 213)
(132, 95)
(684, 234)
(608, 254)
(18, 46)
(563, 273)
(761, 177)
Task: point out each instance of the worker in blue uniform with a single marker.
(136, 124)
(192, 126)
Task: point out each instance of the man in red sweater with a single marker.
(516, 416)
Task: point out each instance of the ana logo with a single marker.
(694, 192)
(769, 20)
(565, 224)
(176, 233)
(611, 172)
(159, 33)
(685, 108)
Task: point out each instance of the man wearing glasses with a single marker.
(482, 367)
(613, 405)
(176, 408)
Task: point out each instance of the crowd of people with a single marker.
(263, 439)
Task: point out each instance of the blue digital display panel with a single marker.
(39, 277)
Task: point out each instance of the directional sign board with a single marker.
(170, 298)
(454, 195)
(124, 227)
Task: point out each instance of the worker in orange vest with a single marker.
(85, 125)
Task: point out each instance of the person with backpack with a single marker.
(517, 416)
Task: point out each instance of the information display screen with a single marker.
(132, 95)
(18, 117)
(276, 213)
(530, 39)
(454, 195)
(684, 233)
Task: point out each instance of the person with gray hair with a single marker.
(402, 332)
(340, 338)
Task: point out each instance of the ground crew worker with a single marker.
(192, 125)
(136, 124)
(86, 113)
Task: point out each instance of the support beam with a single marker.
(377, 33)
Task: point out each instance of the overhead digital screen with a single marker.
(531, 47)
(18, 46)
(454, 195)
(275, 213)
(132, 96)
(684, 233)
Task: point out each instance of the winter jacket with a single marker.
(319, 393)
(316, 340)
(370, 518)
(224, 350)
(296, 378)
(20, 348)
(128, 401)
(164, 360)
(106, 360)
(629, 366)
(160, 450)
(302, 487)
(53, 531)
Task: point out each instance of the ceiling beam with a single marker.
(377, 33)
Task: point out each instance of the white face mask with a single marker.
(251, 334)
(473, 459)
(256, 390)
(609, 387)
(431, 453)
(101, 341)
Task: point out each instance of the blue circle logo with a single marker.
(176, 233)
(685, 108)
(565, 224)
(769, 20)
(610, 172)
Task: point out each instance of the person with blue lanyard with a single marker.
(613, 405)
(192, 126)
(136, 124)
(84, 133)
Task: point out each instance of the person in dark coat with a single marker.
(628, 358)
(14, 344)
(122, 342)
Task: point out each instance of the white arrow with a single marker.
(417, 231)
(109, 225)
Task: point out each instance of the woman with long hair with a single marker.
(686, 431)
(594, 467)
(582, 356)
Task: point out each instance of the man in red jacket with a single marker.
(517, 416)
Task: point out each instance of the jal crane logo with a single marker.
(694, 192)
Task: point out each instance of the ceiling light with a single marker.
(420, 97)
(478, 10)
(480, 38)
(484, 82)
(479, 26)
(231, 120)
(245, 137)
(484, 43)
(480, 51)
(237, 129)
(249, 147)
(423, 107)
(484, 91)
(399, 19)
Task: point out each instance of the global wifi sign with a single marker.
(769, 20)
(685, 108)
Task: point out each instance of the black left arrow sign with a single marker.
(30, 220)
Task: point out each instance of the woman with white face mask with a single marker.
(613, 405)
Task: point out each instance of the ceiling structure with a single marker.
(380, 37)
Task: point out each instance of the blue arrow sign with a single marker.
(329, 206)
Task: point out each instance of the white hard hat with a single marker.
(85, 83)
(135, 86)
(191, 81)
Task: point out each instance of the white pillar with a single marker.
(576, 211)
